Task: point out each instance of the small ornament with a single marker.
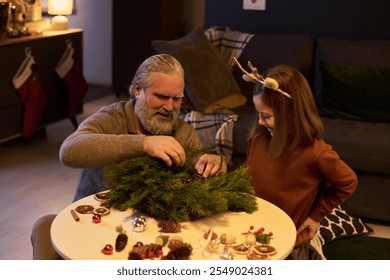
(226, 254)
(263, 238)
(107, 250)
(162, 240)
(211, 245)
(250, 238)
(139, 224)
(141, 219)
(121, 239)
(213, 235)
(96, 218)
(138, 244)
(227, 238)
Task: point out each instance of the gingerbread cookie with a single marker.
(84, 209)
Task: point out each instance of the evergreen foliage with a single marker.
(177, 193)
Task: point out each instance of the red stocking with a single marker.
(34, 100)
(31, 92)
(68, 70)
(77, 89)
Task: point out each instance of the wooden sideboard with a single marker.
(47, 49)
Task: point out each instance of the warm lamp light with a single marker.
(59, 8)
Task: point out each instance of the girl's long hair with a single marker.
(296, 120)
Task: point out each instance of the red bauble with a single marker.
(96, 218)
(107, 250)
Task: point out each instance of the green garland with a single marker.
(177, 193)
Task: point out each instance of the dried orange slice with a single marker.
(241, 249)
(84, 209)
(102, 211)
(264, 250)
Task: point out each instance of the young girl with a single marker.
(290, 164)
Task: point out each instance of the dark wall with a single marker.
(350, 19)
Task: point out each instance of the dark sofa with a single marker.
(350, 82)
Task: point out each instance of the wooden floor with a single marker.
(33, 183)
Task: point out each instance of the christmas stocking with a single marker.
(68, 70)
(32, 94)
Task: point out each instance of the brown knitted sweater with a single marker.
(295, 181)
(109, 136)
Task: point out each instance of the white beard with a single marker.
(147, 118)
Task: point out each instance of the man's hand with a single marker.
(166, 148)
(208, 165)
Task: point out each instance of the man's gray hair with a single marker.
(160, 63)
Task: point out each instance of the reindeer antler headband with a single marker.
(255, 77)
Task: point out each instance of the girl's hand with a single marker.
(306, 231)
(208, 165)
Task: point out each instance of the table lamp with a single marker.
(60, 8)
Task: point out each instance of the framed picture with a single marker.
(44, 4)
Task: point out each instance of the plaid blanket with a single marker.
(228, 43)
(214, 130)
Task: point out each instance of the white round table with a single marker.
(84, 239)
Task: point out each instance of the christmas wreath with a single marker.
(177, 193)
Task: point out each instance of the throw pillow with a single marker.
(209, 84)
(357, 93)
(341, 224)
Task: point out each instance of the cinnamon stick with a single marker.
(74, 215)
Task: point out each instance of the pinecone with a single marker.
(121, 239)
(175, 243)
(182, 252)
(134, 256)
(169, 226)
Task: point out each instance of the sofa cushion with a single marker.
(367, 53)
(267, 50)
(362, 145)
(355, 92)
(209, 83)
(341, 224)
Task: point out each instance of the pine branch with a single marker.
(177, 193)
